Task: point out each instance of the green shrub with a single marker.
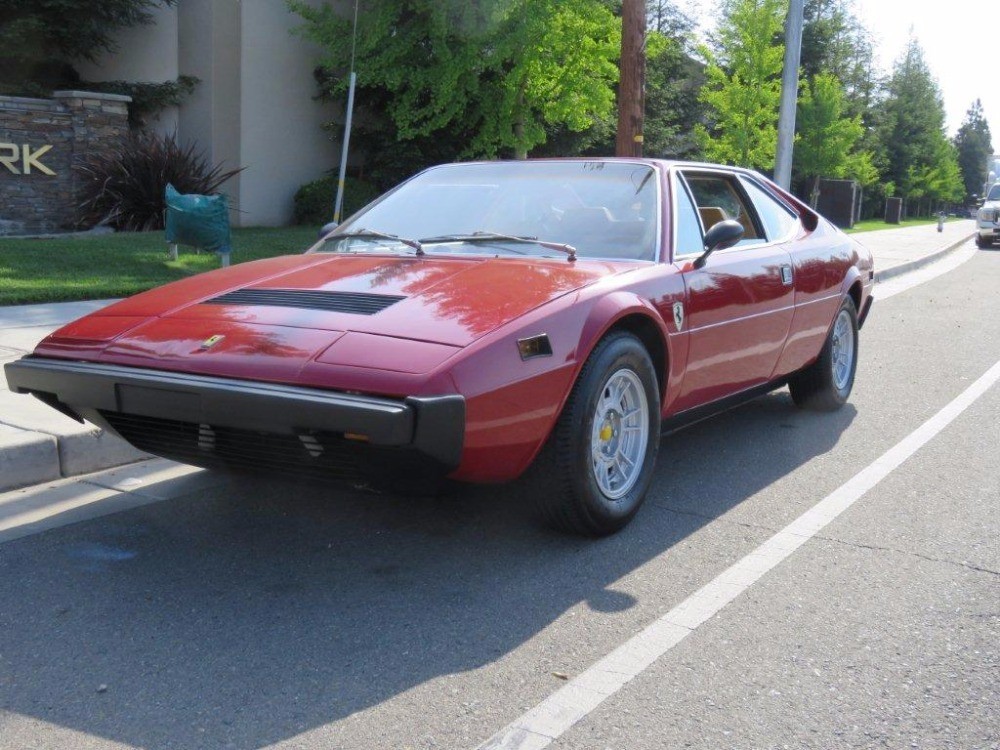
(148, 99)
(124, 189)
(314, 201)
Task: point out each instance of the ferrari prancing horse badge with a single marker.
(679, 315)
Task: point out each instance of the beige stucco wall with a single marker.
(282, 143)
(209, 49)
(145, 53)
(254, 107)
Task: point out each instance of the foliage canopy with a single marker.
(974, 145)
(496, 73)
(39, 39)
(828, 140)
(920, 161)
(743, 83)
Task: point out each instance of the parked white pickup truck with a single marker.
(988, 218)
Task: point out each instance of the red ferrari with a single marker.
(480, 318)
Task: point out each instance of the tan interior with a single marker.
(711, 215)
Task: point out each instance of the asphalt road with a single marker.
(252, 614)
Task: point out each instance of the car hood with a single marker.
(284, 312)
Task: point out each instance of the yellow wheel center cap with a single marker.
(606, 433)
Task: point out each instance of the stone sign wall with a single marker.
(40, 140)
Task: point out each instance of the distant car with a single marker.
(481, 318)
(988, 218)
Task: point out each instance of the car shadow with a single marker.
(243, 617)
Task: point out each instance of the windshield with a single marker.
(601, 209)
(994, 194)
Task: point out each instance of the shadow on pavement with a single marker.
(243, 616)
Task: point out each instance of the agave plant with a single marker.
(125, 188)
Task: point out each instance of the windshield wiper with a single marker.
(371, 233)
(488, 236)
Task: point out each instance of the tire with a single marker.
(583, 480)
(982, 243)
(826, 384)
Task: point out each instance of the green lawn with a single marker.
(117, 265)
(871, 225)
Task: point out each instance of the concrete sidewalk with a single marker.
(38, 444)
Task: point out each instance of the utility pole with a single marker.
(631, 82)
(789, 95)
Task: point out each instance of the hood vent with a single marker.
(358, 303)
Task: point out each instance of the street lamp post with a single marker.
(338, 205)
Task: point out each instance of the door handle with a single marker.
(786, 275)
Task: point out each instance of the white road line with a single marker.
(539, 726)
(897, 284)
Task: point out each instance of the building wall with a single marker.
(254, 107)
(209, 49)
(282, 142)
(146, 53)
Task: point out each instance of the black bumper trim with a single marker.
(434, 426)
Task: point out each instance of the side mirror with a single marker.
(327, 228)
(722, 235)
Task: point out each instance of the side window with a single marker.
(688, 237)
(779, 222)
(717, 198)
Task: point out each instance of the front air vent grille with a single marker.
(357, 303)
(316, 456)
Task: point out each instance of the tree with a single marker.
(938, 179)
(835, 41)
(673, 82)
(743, 86)
(486, 77)
(974, 146)
(912, 131)
(827, 144)
(40, 39)
(631, 79)
(555, 62)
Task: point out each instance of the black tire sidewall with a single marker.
(624, 351)
(842, 394)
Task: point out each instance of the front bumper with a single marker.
(112, 396)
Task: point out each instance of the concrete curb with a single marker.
(26, 458)
(912, 265)
(53, 450)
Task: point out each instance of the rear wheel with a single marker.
(826, 384)
(596, 467)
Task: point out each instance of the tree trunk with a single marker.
(814, 195)
(632, 69)
(520, 151)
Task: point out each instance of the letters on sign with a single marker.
(21, 159)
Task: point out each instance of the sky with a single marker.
(958, 39)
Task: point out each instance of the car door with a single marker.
(739, 305)
(819, 264)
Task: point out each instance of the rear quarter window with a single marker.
(779, 222)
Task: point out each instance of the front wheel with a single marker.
(826, 384)
(594, 472)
